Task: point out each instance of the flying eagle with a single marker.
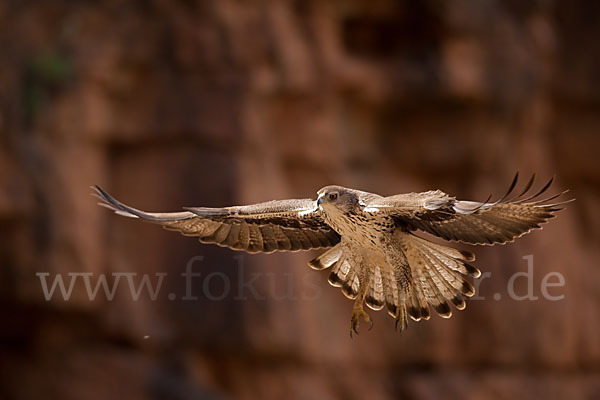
(373, 253)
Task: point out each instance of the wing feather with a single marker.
(275, 225)
(471, 222)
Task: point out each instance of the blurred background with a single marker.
(171, 103)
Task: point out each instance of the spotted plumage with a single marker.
(373, 254)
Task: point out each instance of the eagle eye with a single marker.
(333, 196)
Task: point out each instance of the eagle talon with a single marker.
(355, 320)
(400, 321)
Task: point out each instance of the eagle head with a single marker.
(337, 197)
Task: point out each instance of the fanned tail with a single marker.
(415, 275)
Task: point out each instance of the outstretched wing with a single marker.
(288, 225)
(472, 222)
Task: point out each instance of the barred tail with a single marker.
(415, 275)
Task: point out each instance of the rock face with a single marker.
(184, 103)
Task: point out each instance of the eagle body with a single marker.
(373, 253)
(359, 226)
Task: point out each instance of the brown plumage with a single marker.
(373, 255)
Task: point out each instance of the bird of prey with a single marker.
(373, 252)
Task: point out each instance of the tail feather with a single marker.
(450, 276)
(429, 290)
(351, 283)
(343, 274)
(326, 259)
(392, 292)
(439, 289)
(452, 258)
(419, 305)
(439, 276)
(336, 279)
(448, 283)
(375, 298)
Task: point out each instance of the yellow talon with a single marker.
(358, 312)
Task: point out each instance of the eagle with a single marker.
(373, 253)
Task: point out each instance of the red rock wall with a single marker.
(174, 103)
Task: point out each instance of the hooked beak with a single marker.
(319, 201)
